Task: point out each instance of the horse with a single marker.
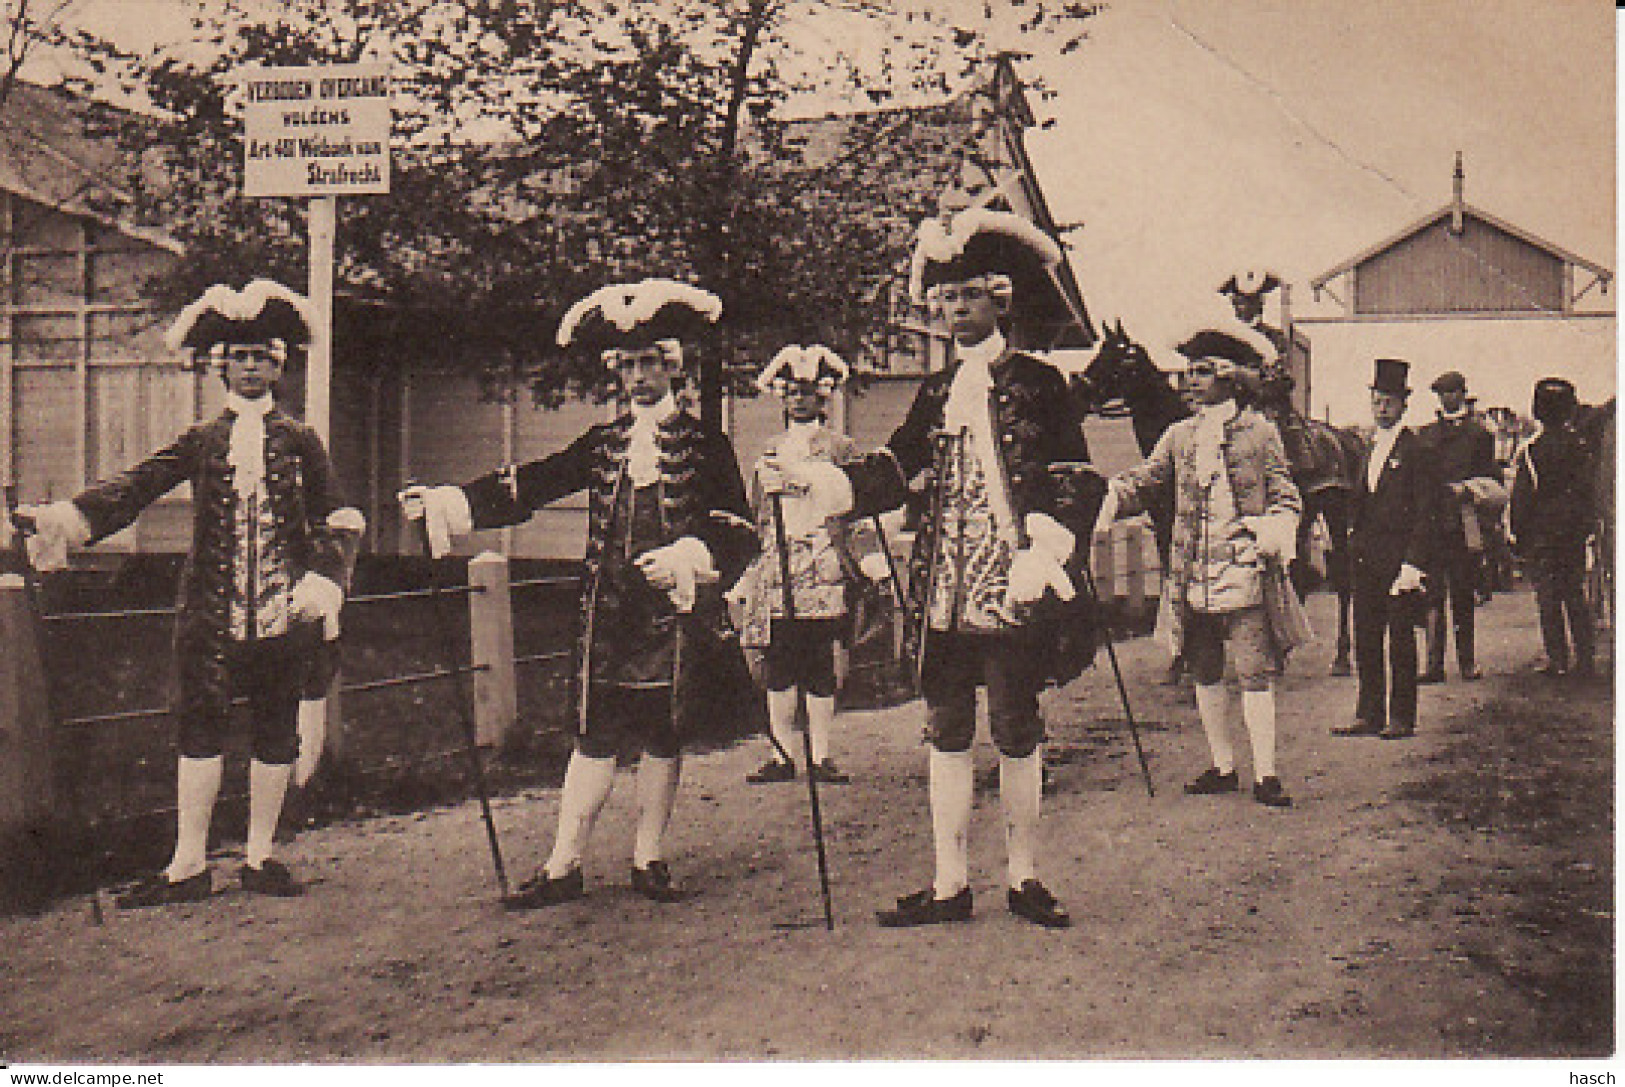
(1122, 379)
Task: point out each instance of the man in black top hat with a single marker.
(1553, 514)
(667, 520)
(995, 561)
(262, 580)
(1392, 544)
(1464, 458)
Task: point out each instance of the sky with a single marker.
(1194, 138)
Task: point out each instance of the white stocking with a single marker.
(1021, 787)
(197, 783)
(267, 785)
(820, 723)
(781, 720)
(1213, 706)
(312, 738)
(952, 790)
(657, 794)
(1258, 710)
(587, 782)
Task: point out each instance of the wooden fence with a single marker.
(1126, 575)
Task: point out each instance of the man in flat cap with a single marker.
(1464, 458)
(1552, 516)
(262, 583)
(1012, 503)
(1225, 593)
(1392, 543)
(666, 520)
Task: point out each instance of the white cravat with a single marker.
(968, 409)
(1210, 423)
(1382, 443)
(246, 452)
(642, 451)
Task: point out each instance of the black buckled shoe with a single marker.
(159, 890)
(654, 883)
(1269, 793)
(544, 890)
(1431, 676)
(1211, 782)
(827, 773)
(1360, 727)
(271, 878)
(925, 908)
(1034, 903)
(771, 772)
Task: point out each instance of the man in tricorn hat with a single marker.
(1464, 458)
(262, 580)
(1012, 503)
(1553, 514)
(1225, 592)
(1391, 541)
(666, 519)
(827, 556)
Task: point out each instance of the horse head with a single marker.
(1118, 376)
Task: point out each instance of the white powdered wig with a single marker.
(628, 305)
(813, 363)
(938, 244)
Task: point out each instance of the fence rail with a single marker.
(1125, 563)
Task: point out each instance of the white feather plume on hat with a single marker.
(813, 363)
(262, 311)
(626, 306)
(936, 244)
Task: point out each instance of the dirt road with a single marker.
(1445, 896)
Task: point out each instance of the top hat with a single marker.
(978, 242)
(634, 316)
(794, 365)
(264, 312)
(1451, 381)
(1554, 400)
(1392, 376)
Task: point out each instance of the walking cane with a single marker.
(448, 649)
(1117, 671)
(789, 598)
(23, 527)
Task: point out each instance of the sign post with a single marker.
(319, 132)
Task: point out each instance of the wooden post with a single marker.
(26, 801)
(1134, 567)
(323, 225)
(490, 626)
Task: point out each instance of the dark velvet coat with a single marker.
(1044, 459)
(701, 495)
(299, 483)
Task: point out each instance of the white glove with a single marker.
(679, 568)
(317, 599)
(1410, 580)
(825, 487)
(1037, 570)
(443, 510)
(1277, 535)
(875, 567)
(57, 527)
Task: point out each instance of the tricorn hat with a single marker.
(1451, 381)
(264, 312)
(1391, 376)
(978, 242)
(1210, 343)
(814, 364)
(631, 316)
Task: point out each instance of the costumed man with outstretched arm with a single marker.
(667, 520)
(261, 588)
(1225, 593)
(828, 556)
(993, 566)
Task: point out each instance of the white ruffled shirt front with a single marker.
(968, 409)
(642, 449)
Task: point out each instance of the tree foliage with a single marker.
(544, 148)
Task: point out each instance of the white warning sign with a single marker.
(318, 131)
